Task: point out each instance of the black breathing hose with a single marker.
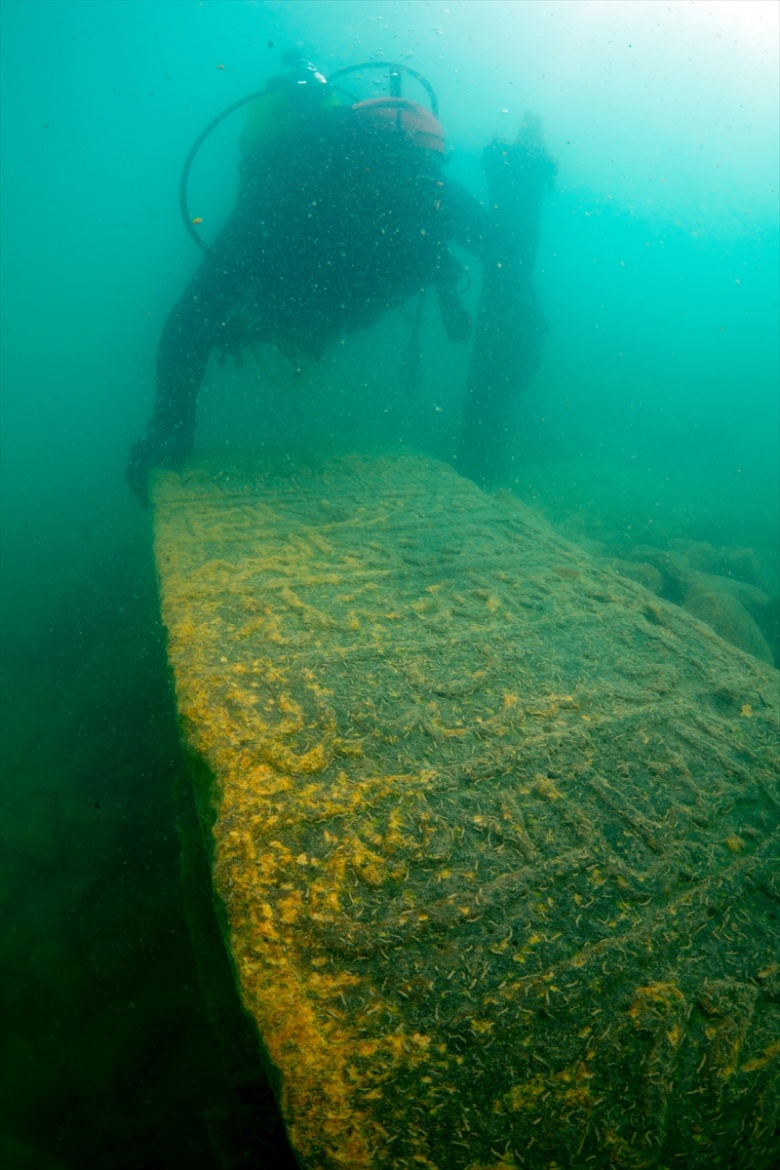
(190, 159)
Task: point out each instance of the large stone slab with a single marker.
(493, 832)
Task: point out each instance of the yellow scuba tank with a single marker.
(278, 111)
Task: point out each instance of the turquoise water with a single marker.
(652, 425)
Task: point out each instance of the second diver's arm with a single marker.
(509, 328)
(518, 174)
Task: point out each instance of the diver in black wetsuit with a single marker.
(342, 212)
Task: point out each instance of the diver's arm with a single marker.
(192, 330)
(510, 326)
(182, 357)
(518, 174)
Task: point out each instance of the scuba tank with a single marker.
(284, 102)
(275, 110)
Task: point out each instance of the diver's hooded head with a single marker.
(301, 71)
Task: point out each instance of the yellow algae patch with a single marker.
(654, 1001)
(769, 1055)
(504, 1163)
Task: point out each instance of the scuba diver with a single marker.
(341, 213)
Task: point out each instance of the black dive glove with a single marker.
(522, 162)
(164, 444)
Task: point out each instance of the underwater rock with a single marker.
(677, 578)
(735, 609)
(768, 621)
(747, 595)
(740, 564)
(730, 619)
(639, 571)
(491, 835)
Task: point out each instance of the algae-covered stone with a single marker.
(638, 571)
(493, 831)
(729, 618)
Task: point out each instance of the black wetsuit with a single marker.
(328, 232)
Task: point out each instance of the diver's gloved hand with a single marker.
(524, 161)
(164, 444)
(530, 144)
